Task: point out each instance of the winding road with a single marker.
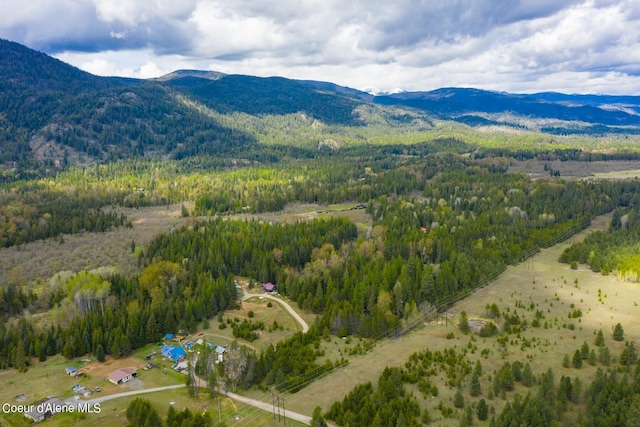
(252, 402)
(282, 302)
(300, 320)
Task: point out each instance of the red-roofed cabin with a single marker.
(269, 287)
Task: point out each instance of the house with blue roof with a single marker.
(177, 354)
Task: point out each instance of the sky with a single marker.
(523, 46)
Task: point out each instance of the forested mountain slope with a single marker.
(53, 114)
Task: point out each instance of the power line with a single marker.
(319, 372)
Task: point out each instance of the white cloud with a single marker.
(513, 45)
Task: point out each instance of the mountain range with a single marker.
(54, 114)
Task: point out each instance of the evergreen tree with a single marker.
(618, 332)
(100, 353)
(482, 411)
(584, 349)
(604, 356)
(317, 420)
(476, 390)
(577, 359)
(458, 399)
(527, 376)
(464, 322)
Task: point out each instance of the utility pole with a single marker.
(273, 404)
(284, 416)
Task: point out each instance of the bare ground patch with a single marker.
(104, 369)
(574, 169)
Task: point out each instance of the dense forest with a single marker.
(444, 217)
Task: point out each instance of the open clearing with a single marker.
(87, 251)
(554, 291)
(287, 326)
(577, 170)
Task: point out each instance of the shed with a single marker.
(168, 336)
(122, 375)
(70, 370)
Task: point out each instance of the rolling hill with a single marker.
(570, 113)
(53, 114)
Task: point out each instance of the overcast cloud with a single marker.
(571, 46)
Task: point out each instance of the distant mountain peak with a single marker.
(376, 92)
(203, 74)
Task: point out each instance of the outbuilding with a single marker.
(123, 375)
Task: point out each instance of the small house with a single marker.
(177, 354)
(269, 287)
(71, 371)
(122, 375)
(44, 409)
(220, 352)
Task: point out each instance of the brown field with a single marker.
(294, 212)
(576, 170)
(87, 251)
(104, 369)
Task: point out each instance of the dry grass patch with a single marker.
(86, 251)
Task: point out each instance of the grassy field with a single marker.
(49, 379)
(577, 170)
(261, 313)
(294, 212)
(113, 412)
(538, 284)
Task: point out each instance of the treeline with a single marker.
(30, 213)
(616, 248)
(126, 314)
(141, 413)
